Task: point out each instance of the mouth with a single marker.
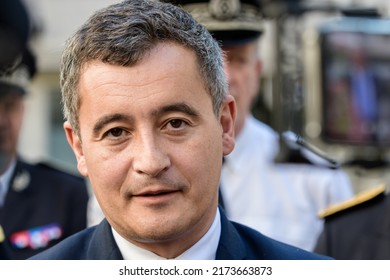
(154, 197)
(155, 193)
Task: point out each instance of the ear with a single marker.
(227, 119)
(77, 147)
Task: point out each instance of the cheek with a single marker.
(201, 161)
(253, 81)
(106, 171)
(16, 121)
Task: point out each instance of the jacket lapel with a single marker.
(102, 245)
(230, 245)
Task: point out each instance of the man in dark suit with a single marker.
(39, 205)
(149, 120)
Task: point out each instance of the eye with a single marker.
(176, 123)
(115, 132)
(176, 126)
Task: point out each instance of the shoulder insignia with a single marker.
(356, 200)
(21, 181)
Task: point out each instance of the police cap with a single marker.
(231, 22)
(17, 77)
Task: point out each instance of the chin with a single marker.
(157, 236)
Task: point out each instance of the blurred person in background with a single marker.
(281, 200)
(14, 31)
(39, 205)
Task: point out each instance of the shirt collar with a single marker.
(204, 249)
(5, 180)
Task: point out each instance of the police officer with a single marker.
(39, 205)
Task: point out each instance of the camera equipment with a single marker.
(355, 74)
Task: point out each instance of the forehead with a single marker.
(11, 98)
(169, 61)
(169, 72)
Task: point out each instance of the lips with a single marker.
(155, 197)
(154, 192)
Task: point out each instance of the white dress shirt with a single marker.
(204, 249)
(279, 200)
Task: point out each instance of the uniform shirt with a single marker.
(279, 200)
(204, 249)
(5, 179)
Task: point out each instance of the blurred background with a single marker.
(291, 97)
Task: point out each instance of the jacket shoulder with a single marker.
(49, 172)
(239, 242)
(47, 167)
(47, 179)
(355, 202)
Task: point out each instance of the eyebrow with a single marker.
(177, 107)
(103, 121)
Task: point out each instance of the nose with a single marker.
(150, 155)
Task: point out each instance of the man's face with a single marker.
(11, 116)
(152, 147)
(243, 69)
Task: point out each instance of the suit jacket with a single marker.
(237, 242)
(360, 231)
(42, 207)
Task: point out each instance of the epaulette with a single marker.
(354, 201)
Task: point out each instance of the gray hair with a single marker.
(122, 34)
